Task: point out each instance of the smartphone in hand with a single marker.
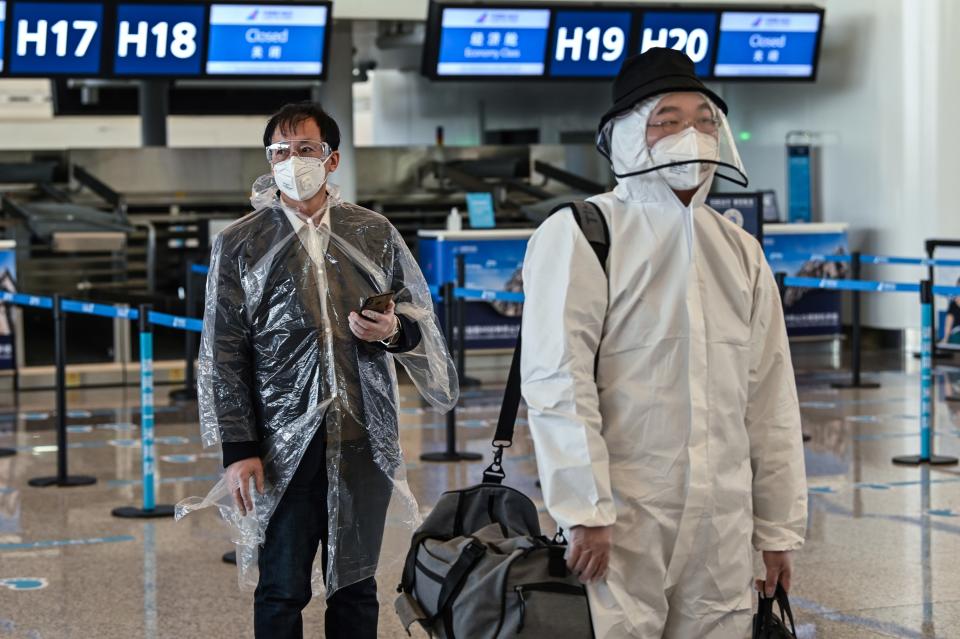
(378, 303)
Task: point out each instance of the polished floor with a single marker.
(881, 558)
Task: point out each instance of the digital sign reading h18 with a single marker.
(159, 39)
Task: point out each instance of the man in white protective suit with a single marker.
(661, 393)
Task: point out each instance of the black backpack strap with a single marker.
(590, 219)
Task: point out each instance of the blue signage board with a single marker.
(590, 43)
(267, 39)
(159, 39)
(768, 45)
(492, 42)
(51, 38)
(480, 208)
(3, 28)
(692, 32)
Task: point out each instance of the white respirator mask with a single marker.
(690, 146)
(300, 178)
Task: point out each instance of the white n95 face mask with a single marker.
(688, 146)
(300, 178)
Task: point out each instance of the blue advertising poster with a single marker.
(492, 42)
(56, 37)
(266, 39)
(493, 264)
(948, 307)
(808, 311)
(692, 32)
(767, 44)
(8, 283)
(159, 39)
(799, 184)
(480, 208)
(590, 43)
(744, 210)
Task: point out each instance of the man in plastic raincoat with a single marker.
(661, 393)
(297, 381)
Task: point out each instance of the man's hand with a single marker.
(238, 479)
(374, 326)
(589, 553)
(779, 570)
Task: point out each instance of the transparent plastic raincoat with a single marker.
(662, 399)
(278, 365)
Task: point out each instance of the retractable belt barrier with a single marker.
(147, 318)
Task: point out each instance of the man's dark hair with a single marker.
(291, 115)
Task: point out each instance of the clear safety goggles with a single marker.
(286, 149)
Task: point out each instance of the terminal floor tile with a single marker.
(880, 560)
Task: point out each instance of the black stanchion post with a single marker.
(189, 391)
(462, 326)
(61, 479)
(927, 406)
(150, 510)
(856, 337)
(451, 454)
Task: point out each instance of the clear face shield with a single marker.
(682, 137)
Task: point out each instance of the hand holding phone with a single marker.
(378, 303)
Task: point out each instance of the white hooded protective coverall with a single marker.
(688, 439)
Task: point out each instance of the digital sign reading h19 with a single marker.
(573, 41)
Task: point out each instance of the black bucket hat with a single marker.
(655, 72)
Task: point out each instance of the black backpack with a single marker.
(479, 567)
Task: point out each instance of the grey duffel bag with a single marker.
(479, 567)
(501, 579)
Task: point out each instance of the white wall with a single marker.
(883, 107)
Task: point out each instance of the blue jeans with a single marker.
(296, 529)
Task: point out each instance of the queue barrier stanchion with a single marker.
(856, 337)
(62, 478)
(465, 381)
(451, 454)
(926, 455)
(189, 390)
(150, 509)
